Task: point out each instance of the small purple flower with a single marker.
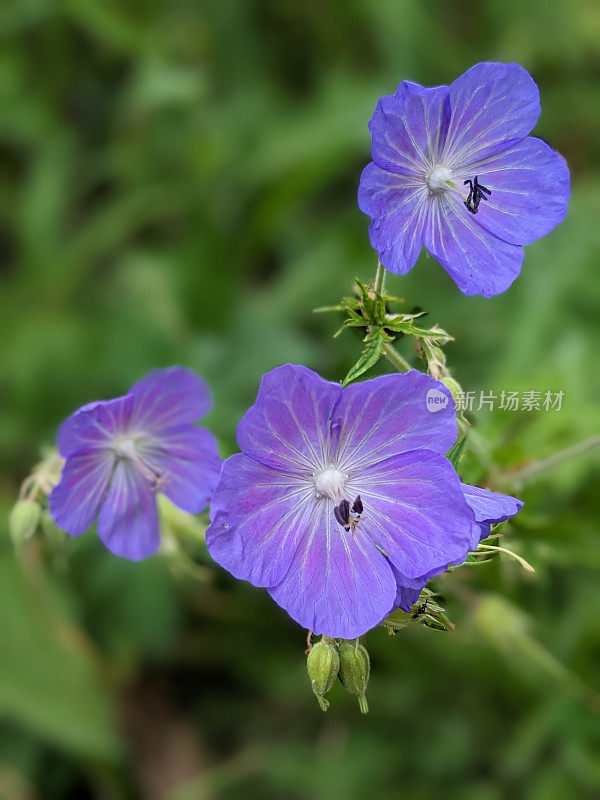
(120, 453)
(454, 170)
(342, 496)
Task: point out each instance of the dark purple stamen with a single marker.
(357, 506)
(476, 194)
(342, 513)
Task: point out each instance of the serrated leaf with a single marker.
(403, 323)
(374, 341)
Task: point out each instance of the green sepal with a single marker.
(425, 611)
(455, 453)
(24, 519)
(323, 664)
(355, 669)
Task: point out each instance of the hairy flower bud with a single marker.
(355, 668)
(323, 664)
(23, 521)
(454, 387)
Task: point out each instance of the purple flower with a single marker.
(454, 170)
(121, 452)
(341, 496)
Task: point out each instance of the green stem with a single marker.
(394, 357)
(398, 361)
(532, 472)
(493, 547)
(379, 284)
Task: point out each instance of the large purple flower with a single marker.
(454, 170)
(342, 497)
(121, 452)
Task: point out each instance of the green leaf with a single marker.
(404, 323)
(49, 679)
(374, 341)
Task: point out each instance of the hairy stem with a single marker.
(394, 357)
(389, 351)
(379, 284)
(531, 472)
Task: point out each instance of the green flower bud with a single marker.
(323, 664)
(355, 668)
(23, 520)
(454, 386)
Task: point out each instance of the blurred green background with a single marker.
(180, 187)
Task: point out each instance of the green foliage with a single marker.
(369, 310)
(50, 679)
(180, 187)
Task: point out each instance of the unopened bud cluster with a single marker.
(327, 660)
(28, 516)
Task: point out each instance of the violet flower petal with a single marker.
(478, 261)
(168, 398)
(128, 520)
(188, 464)
(408, 590)
(530, 188)
(489, 508)
(408, 128)
(398, 210)
(259, 516)
(94, 425)
(338, 582)
(492, 104)
(284, 428)
(389, 415)
(75, 501)
(415, 512)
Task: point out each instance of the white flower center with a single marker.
(125, 448)
(437, 179)
(130, 448)
(330, 482)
